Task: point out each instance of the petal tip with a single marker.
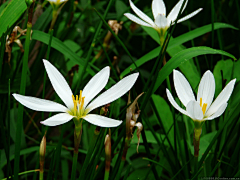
(136, 74)
(45, 61)
(175, 71)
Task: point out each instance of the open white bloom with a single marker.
(57, 5)
(58, 2)
(161, 22)
(79, 107)
(203, 108)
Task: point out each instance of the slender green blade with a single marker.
(11, 14)
(183, 56)
(174, 42)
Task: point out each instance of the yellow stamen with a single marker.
(75, 103)
(76, 98)
(200, 102)
(204, 108)
(80, 96)
(82, 102)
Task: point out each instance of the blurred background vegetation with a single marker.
(80, 36)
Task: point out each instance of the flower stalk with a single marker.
(196, 143)
(77, 140)
(89, 153)
(22, 90)
(107, 155)
(42, 152)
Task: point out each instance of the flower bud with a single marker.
(107, 152)
(42, 152)
(29, 2)
(139, 129)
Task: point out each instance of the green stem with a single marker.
(25, 172)
(195, 164)
(20, 109)
(74, 166)
(41, 175)
(125, 149)
(106, 175)
(89, 154)
(196, 142)
(55, 15)
(77, 139)
(120, 169)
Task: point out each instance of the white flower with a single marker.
(161, 22)
(79, 107)
(202, 109)
(58, 2)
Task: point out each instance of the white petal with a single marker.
(190, 15)
(206, 89)
(114, 92)
(158, 7)
(101, 121)
(222, 98)
(141, 14)
(183, 88)
(161, 21)
(39, 104)
(219, 112)
(95, 85)
(137, 20)
(172, 16)
(59, 84)
(194, 110)
(57, 119)
(56, 1)
(173, 102)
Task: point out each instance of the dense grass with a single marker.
(80, 45)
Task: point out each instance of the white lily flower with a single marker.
(203, 108)
(79, 107)
(161, 22)
(57, 2)
(57, 6)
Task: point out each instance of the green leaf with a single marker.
(121, 8)
(189, 35)
(11, 14)
(165, 114)
(61, 47)
(188, 68)
(173, 43)
(230, 70)
(183, 56)
(196, 33)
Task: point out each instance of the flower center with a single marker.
(78, 109)
(203, 106)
